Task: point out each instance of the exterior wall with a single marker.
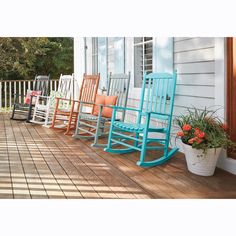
(194, 60)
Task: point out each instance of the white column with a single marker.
(79, 62)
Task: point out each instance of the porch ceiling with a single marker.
(37, 162)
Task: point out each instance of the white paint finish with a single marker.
(181, 101)
(79, 63)
(196, 79)
(129, 66)
(195, 68)
(163, 54)
(195, 56)
(198, 91)
(176, 39)
(220, 75)
(89, 55)
(199, 102)
(194, 44)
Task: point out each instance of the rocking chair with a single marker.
(96, 125)
(45, 105)
(156, 108)
(66, 119)
(25, 108)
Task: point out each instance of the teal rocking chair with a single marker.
(153, 125)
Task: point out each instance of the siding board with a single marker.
(196, 68)
(194, 44)
(196, 79)
(194, 56)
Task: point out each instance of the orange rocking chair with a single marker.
(66, 117)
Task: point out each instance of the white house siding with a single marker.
(194, 60)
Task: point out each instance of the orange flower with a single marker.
(198, 140)
(201, 135)
(197, 131)
(180, 134)
(190, 141)
(186, 127)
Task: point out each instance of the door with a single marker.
(231, 91)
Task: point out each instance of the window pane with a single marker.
(147, 39)
(119, 56)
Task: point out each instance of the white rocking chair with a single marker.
(45, 105)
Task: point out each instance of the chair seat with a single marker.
(92, 117)
(137, 127)
(129, 127)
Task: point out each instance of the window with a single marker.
(143, 52)
(116, 55)
(108, 55)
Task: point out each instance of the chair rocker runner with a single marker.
(66, 118)
(97, 124)
(153, 123)
(45, 105)
(25, 108)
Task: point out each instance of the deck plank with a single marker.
(37, 162)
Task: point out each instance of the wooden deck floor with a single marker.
(37, 162)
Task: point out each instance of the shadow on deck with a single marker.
(36, 162)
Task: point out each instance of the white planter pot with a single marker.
(201, 163)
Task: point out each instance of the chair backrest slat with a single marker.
(89, 88)
(158, 93)
(66, 86)
(41, 83)
(118, 85)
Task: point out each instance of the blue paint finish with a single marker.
(155, 89)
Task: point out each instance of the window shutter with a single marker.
(143, 58)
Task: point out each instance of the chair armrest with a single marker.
(158, 115)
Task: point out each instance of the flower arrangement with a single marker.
(202, 129)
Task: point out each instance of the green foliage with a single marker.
(23, 58)
(202, 129)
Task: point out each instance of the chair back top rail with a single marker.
(41, 83)
(89, 88)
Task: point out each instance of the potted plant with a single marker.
(203, 136)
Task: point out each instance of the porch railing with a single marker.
(10, 87)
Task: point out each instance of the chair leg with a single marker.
(13, 112)
(46, 122)
(98, 128)
(144, 143)
(55, 114)
(68, 128)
